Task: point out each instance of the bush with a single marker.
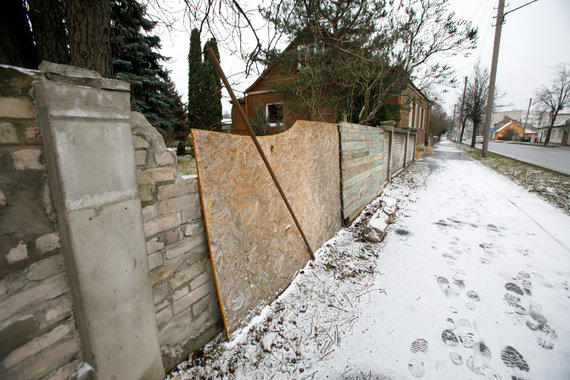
(181, 149)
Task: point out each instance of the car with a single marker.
(479, 139)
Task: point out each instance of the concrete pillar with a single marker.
(406, 149)
(84, 120)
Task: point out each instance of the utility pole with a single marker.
(461, 119)
(491, 94)
(527, 112)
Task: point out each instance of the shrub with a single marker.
(181, 149)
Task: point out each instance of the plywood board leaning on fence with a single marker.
(255, 247)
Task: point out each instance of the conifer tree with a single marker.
(135, 60)
(195, 66)
(212, 90)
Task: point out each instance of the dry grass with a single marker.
(422, 149)
(550, 185)
(186, 165)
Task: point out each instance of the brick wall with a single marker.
(185, 298)
(37, 328)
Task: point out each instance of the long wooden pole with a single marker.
(259, 149)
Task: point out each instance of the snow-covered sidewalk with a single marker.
(470, 282)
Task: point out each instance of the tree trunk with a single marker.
(16, 43)
(49, 32)
(462, 130)
(89, 24)
(549, 132)
(474, 137)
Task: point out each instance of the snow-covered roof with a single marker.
(504, 126)
(563, 122)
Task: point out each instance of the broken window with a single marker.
(274, 114)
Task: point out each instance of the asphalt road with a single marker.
(554, 158)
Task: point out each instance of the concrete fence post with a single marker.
(84, 120)
(406, 149)
(391, 131)
(415, 146)
(389, 126)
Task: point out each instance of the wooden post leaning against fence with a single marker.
(259, 149)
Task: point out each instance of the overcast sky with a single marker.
(534, 40)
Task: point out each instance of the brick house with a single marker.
(414, 112)
(261, 97)
(507, 129)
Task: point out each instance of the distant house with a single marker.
(414, 112)
(260, 99)
(560, 132)
(531, 133)
(508, 129)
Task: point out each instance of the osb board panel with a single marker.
(255, 246)
(362, 166)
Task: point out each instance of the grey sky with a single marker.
(534, 40)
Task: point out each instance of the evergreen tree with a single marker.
(212, 90)
(195, 67)
(136, 61)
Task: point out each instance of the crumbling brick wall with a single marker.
(186, 303)
(38, 338)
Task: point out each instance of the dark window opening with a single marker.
(274, 113)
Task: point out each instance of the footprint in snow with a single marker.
(450, 289)
(468, 339)
(513, 359)
(484, 350)
(456, 358)
(419, 349)
(449, 338)
(473, 295)
(533, 318)
(514, 288)
(477, 365)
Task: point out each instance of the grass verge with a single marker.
(550, 185)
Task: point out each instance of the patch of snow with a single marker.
(472, 280)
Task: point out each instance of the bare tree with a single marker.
(476, 98)
(439, 121)
(555, 97)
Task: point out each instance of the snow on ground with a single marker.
(471, 281)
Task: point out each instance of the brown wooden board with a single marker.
(255, 247)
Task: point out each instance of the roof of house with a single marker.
(506, 120)
(563, 123)
(510, 123)
(291, 46)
